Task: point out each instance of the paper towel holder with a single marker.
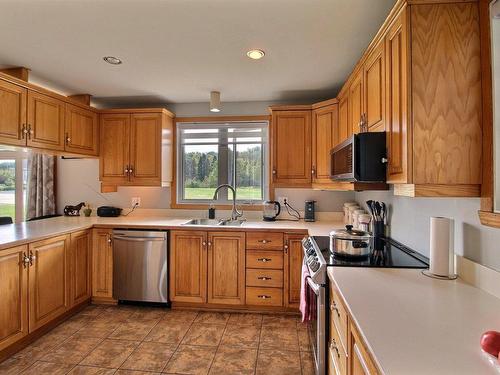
(439, 277)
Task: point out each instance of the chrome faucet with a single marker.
(235, 214)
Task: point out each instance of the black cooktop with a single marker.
(387, 253)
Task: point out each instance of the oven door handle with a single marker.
(313, 286)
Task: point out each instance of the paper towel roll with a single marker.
(442, 246)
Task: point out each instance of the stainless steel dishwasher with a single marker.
(140, 266)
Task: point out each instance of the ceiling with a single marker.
(177, 51)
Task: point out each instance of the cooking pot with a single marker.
(350, 242)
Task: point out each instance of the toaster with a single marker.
(108, 211)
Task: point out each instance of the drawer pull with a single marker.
(264, 278)
(263, 296)
(333, 346)
(265, 241)
(264, 260)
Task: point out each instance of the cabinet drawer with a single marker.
(265, 278)
(265, 240)
(338, 316)
(264, 259)
(337, 352)
(264, 296)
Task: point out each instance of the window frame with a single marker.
(19, 156)
(176, 199)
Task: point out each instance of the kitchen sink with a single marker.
(215, 222)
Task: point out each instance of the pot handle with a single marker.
(277, 204)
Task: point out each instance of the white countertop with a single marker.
(18, 234)
(417, 325)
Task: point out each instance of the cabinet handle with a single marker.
(26, 260)
(130, 170)
(204, 243)
(31, 258)
(264, 260)
(209, 244)
(263, 278)
(264, 241)
(263, 296)
(274, 171)
(110, 241)
(68, 139)
(30, 131)
(313, 171)
(127, 170)
(24, 131)
(334, 307)
(333, 346)
(286, 249)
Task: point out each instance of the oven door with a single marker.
(317, 326)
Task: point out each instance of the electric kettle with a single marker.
(271, 210)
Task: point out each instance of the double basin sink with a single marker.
(215, 222)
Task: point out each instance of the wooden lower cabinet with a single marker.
(80, 267)
(102, 265)
(293, 269)
(14, 295)
(48, 280)
(360, 362)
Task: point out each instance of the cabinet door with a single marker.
(81, 128)
(102, 264)
(325, 135)
(396, 50)
(292, 147)
(226, 268)
(14, 295)
(360, 362)
(115, 148)
(45, 121)
(374, 95)
(356, 102)
(48, 280)
(188, 266)
(12, 114)
(293, 269)
(145, 148)
(80, 270)
(344, 129)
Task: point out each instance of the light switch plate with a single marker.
(136, 201)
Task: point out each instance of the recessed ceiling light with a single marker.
(255, 54)
(112, 60)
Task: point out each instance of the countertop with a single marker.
(18, 234)
(417, 325)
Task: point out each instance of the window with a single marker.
(13, 177)
(211, 154)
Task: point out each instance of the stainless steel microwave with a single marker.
(360, 158)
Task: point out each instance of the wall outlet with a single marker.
(136, 201)
(282, 200)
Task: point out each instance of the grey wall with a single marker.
(410, 222)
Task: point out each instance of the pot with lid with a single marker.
(350, 242)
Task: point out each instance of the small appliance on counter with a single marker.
(271, 210)
(309, 211)
(109, 211)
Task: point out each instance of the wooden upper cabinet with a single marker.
(374, 89)
(356, 102)
(48, 280)
(115, 148)
(396, 49)
(145, 148)
(45, 121)
(12, 114)
(293, 265)
(344, 129)
(102, 264)
(291, 134)
(81, 130)
(188, 266)
(226, 268)
(325, 135)
(14, 295)
(80, 267)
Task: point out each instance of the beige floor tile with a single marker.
(304, 340)
(70, 327)
(39, 368)
(280, 321)
(72, 351)
(147, 313)
(90, 370)
(241, 336)
(168, 332)
(307, 362)
(13, 365)
(92, 310)
(149, 356)
(134, 372)
(278, 362)
(191, 360)
(110, 353)
(40, 347)
(246, 319)
(212, 317)
(132, 330)
(180, 316)
(204, 334)
(279, 339)
(234, 361)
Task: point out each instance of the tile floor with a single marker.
(131, 340)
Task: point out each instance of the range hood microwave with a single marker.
(360, 158)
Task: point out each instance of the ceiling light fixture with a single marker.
(112, 60)
(255, 54)
(214, 101)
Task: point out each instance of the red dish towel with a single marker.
(305, 298)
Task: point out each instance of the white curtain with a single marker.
(41, 200)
